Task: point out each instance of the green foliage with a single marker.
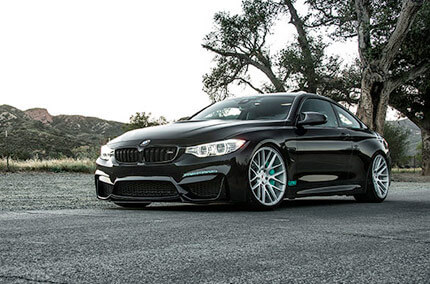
(142, 120)
(240, 46)
(397, 139)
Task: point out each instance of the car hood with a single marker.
(191, 132)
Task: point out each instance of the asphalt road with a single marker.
(53, 231)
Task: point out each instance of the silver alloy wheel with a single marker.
(380, 176)
(267, 176)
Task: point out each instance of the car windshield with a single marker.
(252, 108)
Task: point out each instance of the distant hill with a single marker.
(37, 133)
(414, 134)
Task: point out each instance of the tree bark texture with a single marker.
(425, 135)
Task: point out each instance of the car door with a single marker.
(358, 133)
(323, 151)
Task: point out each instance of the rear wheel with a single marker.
(378, 181)
(267, 176)
(132, 204)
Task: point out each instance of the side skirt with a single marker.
(331, 190)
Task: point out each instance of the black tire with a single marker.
(253, 202)
(132, 204)
(371, 195)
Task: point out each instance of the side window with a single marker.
(346, 119)
(322, 107)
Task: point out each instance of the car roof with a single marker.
(296, 95)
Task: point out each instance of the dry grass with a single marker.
(55, 165)
(405, 170)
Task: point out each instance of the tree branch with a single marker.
(249, 84)
(263, 66)
(404, 22)
(409, 75)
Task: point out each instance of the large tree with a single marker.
(240, 45)
(413, 98)
(381, 27)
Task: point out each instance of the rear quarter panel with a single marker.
(365, 146)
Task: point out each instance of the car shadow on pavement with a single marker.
(229, 207)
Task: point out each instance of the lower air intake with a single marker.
(104, 189)
(207, 189)
(148, 188)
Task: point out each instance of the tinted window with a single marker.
(346, 119)
(252, 108)
(323, 107)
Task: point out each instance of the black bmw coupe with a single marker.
(257, 149)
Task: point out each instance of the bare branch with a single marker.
(249, 84)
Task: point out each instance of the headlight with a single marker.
(106, 153)
(216, 148)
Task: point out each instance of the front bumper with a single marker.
(186, 179)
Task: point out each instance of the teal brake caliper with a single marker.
(272, 172)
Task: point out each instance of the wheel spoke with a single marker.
(263, 194)
(275, 166)
(278, 173)
(277, 180)
(263, 159)
(272, 161)
(259, 160)
(381, 185)
(271, 192)
(268, 195)
(381, 169)
(254, 178)
(277, 188)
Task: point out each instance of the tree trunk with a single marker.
(425, 134)
(305, 47)
(373, 104)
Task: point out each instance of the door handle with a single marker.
(345, 136)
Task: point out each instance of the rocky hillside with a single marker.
(36, 133)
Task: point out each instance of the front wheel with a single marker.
(267, 176)
(378, 181)
(132, 204)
